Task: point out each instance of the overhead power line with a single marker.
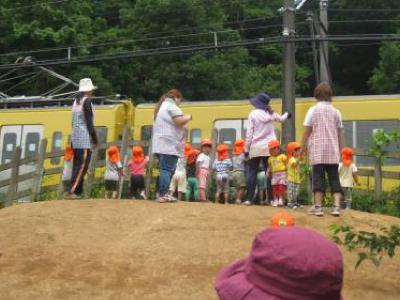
(202, 47)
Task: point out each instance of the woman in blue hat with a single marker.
(260, 131)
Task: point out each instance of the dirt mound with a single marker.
(99, 249)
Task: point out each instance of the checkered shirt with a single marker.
(80, 137)
(323, 144)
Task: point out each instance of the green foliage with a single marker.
(386, 76)
(380, 141)
(388, 203)
(369, 245)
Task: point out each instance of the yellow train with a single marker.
(23, 122)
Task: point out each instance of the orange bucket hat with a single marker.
(239, 147)
(69, 153)
(291, 147)
(137, 154)
(192, 157)
(282, 219)
(187, 149)
(347, 156)
(206, 142)
(113, 154)
(222, 151)
(273, 144)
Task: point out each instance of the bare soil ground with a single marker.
(104, 249)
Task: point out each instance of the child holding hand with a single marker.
(113, 173)
(294, 174)
(277, 173)
(222, 166)
(203, 166)
(348, 176)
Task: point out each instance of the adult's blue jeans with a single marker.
(167, 169)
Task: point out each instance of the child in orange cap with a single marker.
(222, 166)
(239, 175)
(294, 175)
(277, 173)
(179, 180)
(203, 167)
(113, 173)
(136, 167)
(347, 175)
(67, 170)
(192, 186)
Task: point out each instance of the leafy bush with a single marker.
(388, 202)
(376, 245)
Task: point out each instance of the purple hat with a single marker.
(260, 101)
(287, 263)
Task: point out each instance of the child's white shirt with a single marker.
(203, 161)
(346, 174)
(67, 170)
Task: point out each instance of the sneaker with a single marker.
(296, 205)
(238, 201)
(247, 203)
(274, 203)
(335, 211)
(280, 202)
(171, 198)
(163, 199)
(71, 196)
(316, 211)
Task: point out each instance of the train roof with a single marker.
(300, 99)
(43, 102)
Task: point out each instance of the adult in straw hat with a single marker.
(83, 137)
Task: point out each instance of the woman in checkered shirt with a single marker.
(323, 135)
(83, 137)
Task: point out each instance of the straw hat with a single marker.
(86, 85)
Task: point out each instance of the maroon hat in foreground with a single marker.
(288, 263)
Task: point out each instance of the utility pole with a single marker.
(323, 49)
(311, 22)
(289, 71)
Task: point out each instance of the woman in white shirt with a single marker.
(168, 138)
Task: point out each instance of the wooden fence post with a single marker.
(12, 188)
(37, 180)
(124, 152)
(61, 184)
(378, 179)
(149, 169)
(91, 172)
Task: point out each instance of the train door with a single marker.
(10, 139)
(28, 138)
(30, 141)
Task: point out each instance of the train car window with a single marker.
(364, 133)
(102, 137)
(227, 136)
(195, 136)
(146, 132)
(9, 145)
(56, 146)
(32, 143)
(348, 133)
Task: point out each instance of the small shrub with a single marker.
(376, 245)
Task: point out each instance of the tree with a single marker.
(386, 76)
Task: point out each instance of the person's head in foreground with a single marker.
(285, 263)
(347, 156)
